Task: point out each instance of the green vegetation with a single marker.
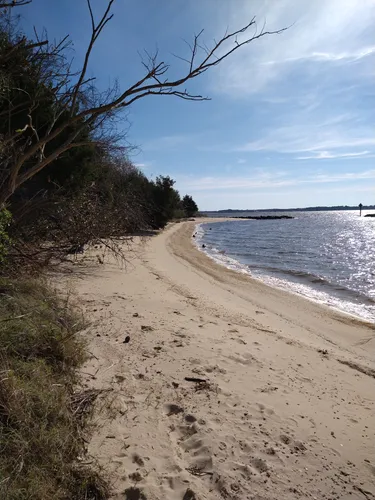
(189, 206)
(5, 219)
(87, 191)
(41, 433)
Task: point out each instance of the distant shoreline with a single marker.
(307, 209)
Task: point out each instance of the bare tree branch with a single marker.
(80, 107)
(14, 3)
(96, 30)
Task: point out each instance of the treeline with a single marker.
(77, 185)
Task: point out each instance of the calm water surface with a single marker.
(326, 256)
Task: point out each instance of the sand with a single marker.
(286, 407)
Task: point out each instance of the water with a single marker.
(328, 257)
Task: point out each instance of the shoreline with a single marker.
(287, 400)
(288, 287)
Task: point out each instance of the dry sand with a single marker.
(280, 416)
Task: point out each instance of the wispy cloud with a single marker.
(266, 181)
(326, 155)
(327, 56)
(313, 136)
(320, 31)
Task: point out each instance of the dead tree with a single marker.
(79, 106)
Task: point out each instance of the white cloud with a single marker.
(324, 155)
(327, 56)
(313, 135)
(320, 31)
(265, 181)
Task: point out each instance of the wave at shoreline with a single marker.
(365, 310)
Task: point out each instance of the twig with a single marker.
(196, 380)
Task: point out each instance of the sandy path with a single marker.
(277, 419)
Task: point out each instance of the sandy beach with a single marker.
(282, 405)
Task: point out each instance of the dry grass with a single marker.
(41, 433)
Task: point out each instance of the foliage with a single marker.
(40, 438)
(5, 220)
(189, 206)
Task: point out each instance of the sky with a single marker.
(291, 120)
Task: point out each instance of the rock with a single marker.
(265, 217)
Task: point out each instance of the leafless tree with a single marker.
(80, 107)
(14, 3)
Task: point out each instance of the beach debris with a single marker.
(201, 384)
(82, 402)
(127, 339)
(175, 385)
(323, 351)
(270, 388)
(135, 315)
(146, 328)
(196, 471)
(196, 380)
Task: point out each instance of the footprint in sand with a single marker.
(173, 409)
(133, 493)
(189, 495)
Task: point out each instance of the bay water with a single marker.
(328, 257)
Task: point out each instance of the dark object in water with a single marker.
(265, 217)
(203, 246)
(370, 215)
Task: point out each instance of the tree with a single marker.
(76, 108)
(166, 201)
(189, 206)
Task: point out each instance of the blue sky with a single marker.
(292, 116)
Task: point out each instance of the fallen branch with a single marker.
(196, 380)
